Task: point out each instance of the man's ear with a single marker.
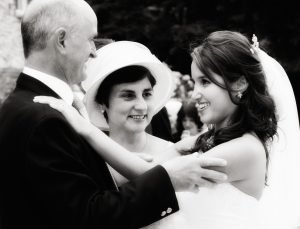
(240, 85)
(60, 38)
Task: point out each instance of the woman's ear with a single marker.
(103, 108)
(239, 87)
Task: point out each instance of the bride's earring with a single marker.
(239, 87)
(239, 95)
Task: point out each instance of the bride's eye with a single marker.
(205, 81)
(202, 81)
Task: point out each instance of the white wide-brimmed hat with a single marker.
(117, 55)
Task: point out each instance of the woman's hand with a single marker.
(186, 144)
(80, 124)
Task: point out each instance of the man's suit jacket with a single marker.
(52, 178)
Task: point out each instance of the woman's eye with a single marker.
(127, 95)
(148, 94)
(204, 81)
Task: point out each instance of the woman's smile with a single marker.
(138, 117)
(202, 106)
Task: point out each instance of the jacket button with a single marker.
(169, 210)
(163, 213)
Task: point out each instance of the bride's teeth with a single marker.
(202, 106)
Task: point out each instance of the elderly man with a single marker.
(50, 176)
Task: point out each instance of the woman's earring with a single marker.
(102, 111)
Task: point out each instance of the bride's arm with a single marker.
(245, 157)
(122, 160)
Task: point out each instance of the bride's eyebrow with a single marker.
(199, 77)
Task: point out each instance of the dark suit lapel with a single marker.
(26, 82)
(35, 86)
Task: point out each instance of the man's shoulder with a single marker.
(19, 109)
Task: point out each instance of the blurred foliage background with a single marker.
(167, 27)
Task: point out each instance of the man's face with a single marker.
(80, 47)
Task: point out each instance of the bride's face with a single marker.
(213, 102)
(130, 106)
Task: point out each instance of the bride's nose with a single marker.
(196, 95)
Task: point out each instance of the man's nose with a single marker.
(93, 53)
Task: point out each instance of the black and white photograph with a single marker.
(149, 114)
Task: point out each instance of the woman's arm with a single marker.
(176, 149)
(245, 157)
(122, 160)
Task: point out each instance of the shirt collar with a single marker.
(57, 85)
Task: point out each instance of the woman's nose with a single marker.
(196, 95)
(141, 104)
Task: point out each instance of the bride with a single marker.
(233, 98)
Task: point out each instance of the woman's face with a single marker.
(213, 102)
(189, 124)
(130, 106)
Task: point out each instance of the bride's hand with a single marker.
(80, 124)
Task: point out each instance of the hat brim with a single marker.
(118, 55)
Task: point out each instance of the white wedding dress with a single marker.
(223, 206)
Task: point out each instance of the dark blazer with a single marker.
(52, 178)
(160, 125)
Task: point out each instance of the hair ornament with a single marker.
(255, 43)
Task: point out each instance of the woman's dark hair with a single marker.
(230, 55)
(127, 74)
(188, 109)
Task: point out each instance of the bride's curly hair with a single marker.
(230, 55)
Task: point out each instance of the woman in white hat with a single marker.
(123, 92)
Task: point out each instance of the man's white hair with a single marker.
(42, 18)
